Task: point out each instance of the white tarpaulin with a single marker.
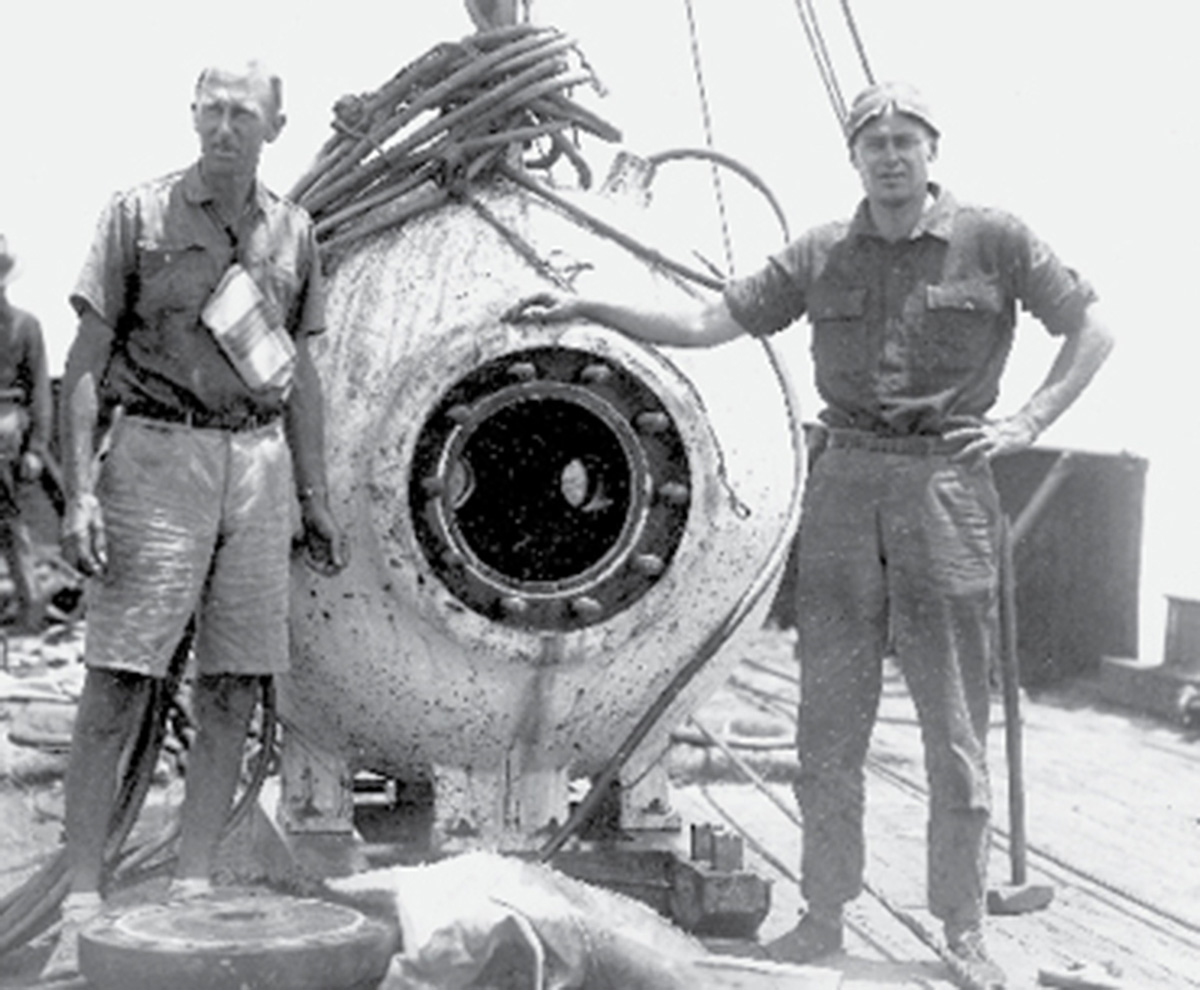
(482, 920)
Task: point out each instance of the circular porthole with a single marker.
(549, 488)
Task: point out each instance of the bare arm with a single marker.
(304, 421)
(704, 324)
(83, 526)
(1079, 358)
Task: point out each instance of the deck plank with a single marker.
(1113, 820)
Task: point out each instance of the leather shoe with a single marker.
(812, 939)
(969, 957)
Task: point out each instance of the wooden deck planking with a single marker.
(1110, 804)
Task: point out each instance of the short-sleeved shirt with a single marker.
(911, 336)
(159, 251)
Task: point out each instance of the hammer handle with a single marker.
(1010, 664)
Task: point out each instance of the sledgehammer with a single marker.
(1019, 896)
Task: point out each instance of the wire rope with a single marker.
(706, 117)
(856, 37)
(821, 55)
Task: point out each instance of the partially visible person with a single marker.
(26, 411)
(913, 305)
(190, 511)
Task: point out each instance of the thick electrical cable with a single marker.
(719, 158)
(443, 123)
(31, 908)
(603, 782)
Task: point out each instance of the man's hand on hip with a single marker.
(986, 441)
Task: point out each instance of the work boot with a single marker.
(63, 961)
(817, 935)
(970, 961)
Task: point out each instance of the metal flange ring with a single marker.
(550, 488)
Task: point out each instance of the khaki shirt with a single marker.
(159, 251)
(911, 337)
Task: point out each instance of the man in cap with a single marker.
(190, 512)
(912, 304)
(26, 409)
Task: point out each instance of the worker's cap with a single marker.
(880, 99)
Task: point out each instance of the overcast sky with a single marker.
(1078, 116)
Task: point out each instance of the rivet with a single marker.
(453, 558)
(596, 374)
(651, 422)
(459, 413)
(514, 605)
(650, 564)
(433, 485)
(674, 493)
(522, 371)
(585, 607)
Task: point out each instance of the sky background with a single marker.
(1076, 116)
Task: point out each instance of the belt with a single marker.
(917, 446)
(205, 419)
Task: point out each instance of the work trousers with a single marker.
(17, 547)
(898, 556)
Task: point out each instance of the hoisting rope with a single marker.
(820, 51)
(960, 974)
(859, 47)
(603, 782)
(816, 41)
(706, 118)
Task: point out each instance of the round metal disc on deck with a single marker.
(245, 939)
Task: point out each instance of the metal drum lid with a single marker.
(249, 940)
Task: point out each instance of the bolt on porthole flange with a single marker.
(549, 489)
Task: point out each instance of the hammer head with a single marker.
(1019, 898)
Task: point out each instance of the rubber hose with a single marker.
(30, 909)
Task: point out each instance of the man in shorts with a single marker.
(189, 513)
